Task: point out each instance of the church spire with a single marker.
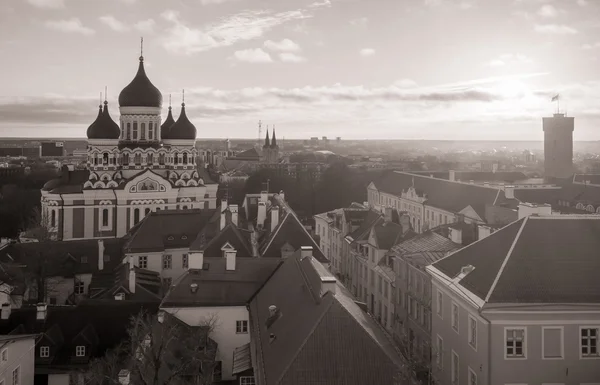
(274, 140)
(267, 144)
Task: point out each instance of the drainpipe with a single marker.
(62, 223)
(115, 223)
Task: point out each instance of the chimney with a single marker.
(282, 195)
(230, 260)
(223, 204)
(42, 311)
(405, 223)
(223, 219)
(234, 214)
(6, 310)
(486, 184)
(455, 235)
(196, 260)
(161, 316)
(124, 377)
(264, 196)
(262, 214)
(452, 175)
(483, 231)
(328, 284)
(119, 297)
(306, 251)
(254, 242)
(272, 310)
(131, 279)
(527, 209)
(387, 214)
(509, 192)
(274, 217)
(100, 254)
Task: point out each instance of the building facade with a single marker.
(17, 357)
(133, 168)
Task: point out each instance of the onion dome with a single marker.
(182, 128)
(103, 127)
(140, 92)
(166, 126)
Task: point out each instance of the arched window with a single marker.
(161, 159)
(105, 159)
(137, 159)
(135, 131)
(590, 208)
(52, 218)
(176, 159)
(150, 131)
(95, 160)
(125, 159)
(143, 131)
(185, 158)
(128, 131)
(150, 159)
(147, 211)
(136, 215)
(105, 217)
(184, 207)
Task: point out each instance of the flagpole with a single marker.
(558, 104)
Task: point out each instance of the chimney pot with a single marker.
(272, 310)
(234, 214)
(306, 251)
(100, 254)
(274, 217)
(271, 337)
(42, 311)
(131, 279)
(194, 287)
(230, 260)
(196, 260)
(161, 316)
(261, 215)
(119, 297)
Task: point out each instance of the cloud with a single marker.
(146, 26)
(285, 45)
(523, 15)
(582, 3)
(256, 55)
(47, 3)
(367, 52)
(246, 25)
(113, 23)
(211, 2)
(509, 59)
(72, 25)
(360, 22)
(405, 83)
(555, 29)
(129, 2)
(289, 57)
(548, 10)
(591, 46)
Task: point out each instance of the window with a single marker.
(143, 262)
(53, 218)
(125, 159)
(455, 317)
(185, 158)
(472, 377)
(440, 304)
(79, 287)
(245, 381)
(552, 342)
(137, 159)
(80, 351)
(218, 371)
(150, 131)
(167, 261)
(161, 158)
(589, 342)
(455, 368)
(128, 131)
(16, 376)
(143, 131)
(515, 342)
(4, 355)
(146, 211)
(150, 158)
(136, 215)
(473, 332)
(241, 326)
(45, 351)
(439, 354)
(135, 131)
(105, 217)
(105, 159)
(185, 262)
(167, 282)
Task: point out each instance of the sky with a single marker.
(358, 69)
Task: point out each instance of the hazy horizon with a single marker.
(395, 70)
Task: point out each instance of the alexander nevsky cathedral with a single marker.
(140, 165)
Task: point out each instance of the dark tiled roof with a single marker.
(443, 194)
(553, 260)
(232, 235)
(219, 287)
(168, 229)
(587, 194)
(64, 258)
(104, 323)
(312, 344)
(583, 178)
(70, 182)
(290, 231)
(428, 241)
(387, 234)
(251, 153)
(538, 195)
(365, 227)
(477, 176)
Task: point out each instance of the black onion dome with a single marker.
(103, 127)
(140, 92)
(183, 128)
(166, 126)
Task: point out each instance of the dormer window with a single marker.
(84, 259)
(80, 351)
(45, 351)
(79, 287)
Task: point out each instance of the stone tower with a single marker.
(558, 146)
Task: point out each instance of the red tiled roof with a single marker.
(552, 259)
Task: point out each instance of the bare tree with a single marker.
(159, 351)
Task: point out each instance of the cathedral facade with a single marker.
(140, 165)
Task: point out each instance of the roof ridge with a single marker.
(271, 238)
(501, 270)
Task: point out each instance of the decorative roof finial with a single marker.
(182, 98)
(105, 95)
(141, 49)
(169, 101)
(101, 99)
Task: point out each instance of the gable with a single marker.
(148, 182)
(373, 238)
(291, 231)
(470, 213)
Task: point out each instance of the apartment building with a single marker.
(17, 358)
(520, 306)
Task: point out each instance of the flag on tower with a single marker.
(555, 98)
